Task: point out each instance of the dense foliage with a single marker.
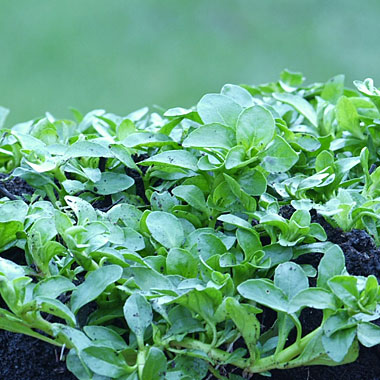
(154, 242)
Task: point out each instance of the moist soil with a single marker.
(26, 358)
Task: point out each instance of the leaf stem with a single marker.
(280, 360)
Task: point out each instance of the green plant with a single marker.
(155, 242)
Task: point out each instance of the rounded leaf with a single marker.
(165, 228)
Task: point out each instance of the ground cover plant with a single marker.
(158, 245)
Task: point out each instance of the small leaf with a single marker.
(316, 298)
(338, 344)
(279, 157)
(166, 229)
(106, 337)
(111, 183)
(82, 210)
(265, 293)
(57, 308)
(244, 317)
(104, 361)
(177, 158)
(181, 262)
(155, 365)
(86, 149)
(53, 286)
(239, 94)
(94, 285)
(331, 264)
(345, 288)
(348, 118)
(333, 89)
(253, 182)
(299, 104)
(210, 136)
(216, 108)
(255, 128)
(290, 278)
(192, 195)
(235, 221)
(138, 314)
(368, 334)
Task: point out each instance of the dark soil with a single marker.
(25, 358)
(15, 187)
(362, 258)
(140, 188)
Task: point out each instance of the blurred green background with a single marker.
(124, 54)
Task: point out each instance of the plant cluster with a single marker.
(154, 242)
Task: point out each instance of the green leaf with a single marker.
(147, 139)
(204, 302)
(338, 344)
(86, 149)
(279, 157)
(255, 128)
(94, 285)
(236, 158)
(209, 245)
(53, 286)
(348, 118)
(316, 298)
(166, 229)
(299, 104)
(187, 368)
(249, 241)
(177, 158)
(192, 195)
(368, 334)
(123, 155)
(291, 80)
(82, 210)
(244, 317)
(104, 361)
(57, 308)
(138, 314)
(235, 221)
(210, 136)
(333, 89)
(182, 321)
(106, 337)
(8, 232)
(331, 264)
(277, 253)
(253, 182)
(181, 262)
(239, 94)
(345, 288)
(290, 278)
(75, 365)
(12, 216)
(111, 183)
(216, 108)
(368, 88)
(11, 270)
(128, 214)
(155, 365)
(265, 293)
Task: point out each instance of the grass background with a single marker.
(125, 54)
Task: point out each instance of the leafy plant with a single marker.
(155, 242)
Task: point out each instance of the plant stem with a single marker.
(279, 360)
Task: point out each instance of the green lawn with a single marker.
(123, 54)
